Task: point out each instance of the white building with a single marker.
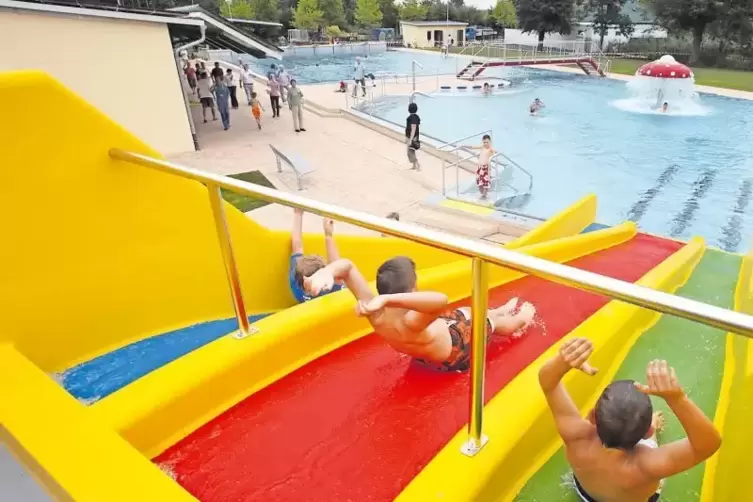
(427, 34)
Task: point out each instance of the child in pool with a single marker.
(664, 107)
(415, 323)
(483, 173)
(613, 452)
(536, 106)
(256, 109)
(487, 89)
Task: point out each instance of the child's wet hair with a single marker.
(306, 266)
(486, 136)
(412, 108)
(623, 415)
(253, 94)
(397, 275)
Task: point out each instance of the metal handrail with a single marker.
(481, 253)
(521, 168)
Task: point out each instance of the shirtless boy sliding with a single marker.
(613, 453)
(417, 323)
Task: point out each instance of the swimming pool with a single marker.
(675, 175)
(307, 70)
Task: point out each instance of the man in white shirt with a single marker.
(284, 79)
(358, 75)
(247, 82)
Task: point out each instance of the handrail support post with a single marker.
(228, 259)
(476, 438)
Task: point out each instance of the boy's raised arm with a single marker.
(341, 270)
(329, 241)
(703, 439)
(573, 354)
(296, 232)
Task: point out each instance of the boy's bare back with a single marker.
(613, 453)
(398, 327)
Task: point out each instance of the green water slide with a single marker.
(697, 353)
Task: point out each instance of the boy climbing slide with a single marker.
(302, 266)
(417, 323)
(614, 453)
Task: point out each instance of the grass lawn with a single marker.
(244, 202)
(715, 77)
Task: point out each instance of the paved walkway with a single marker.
(355, 166)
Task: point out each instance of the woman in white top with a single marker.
(247, 82)
(203, 87)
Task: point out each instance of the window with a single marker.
(428, 35)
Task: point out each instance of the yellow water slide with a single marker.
(101, 254)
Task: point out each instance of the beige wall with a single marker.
(417, 34)
(125, 68)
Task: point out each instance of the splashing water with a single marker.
(647, 94)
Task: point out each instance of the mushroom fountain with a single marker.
(664, 81)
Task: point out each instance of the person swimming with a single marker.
(487, 89)
(664, 108)
(536, 106)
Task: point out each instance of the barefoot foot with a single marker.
(510, 307)
(525, 316)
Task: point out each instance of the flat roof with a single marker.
(124, 14)
(434, 23)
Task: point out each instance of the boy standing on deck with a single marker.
(303, 266)
(418, 323)
(412, 130)
(614, 453)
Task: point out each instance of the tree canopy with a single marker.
(504, 14)
(368, 13)
(605, 14)
(307, 15)
(412, 10)
(545, 16)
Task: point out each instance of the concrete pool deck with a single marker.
(355, 166)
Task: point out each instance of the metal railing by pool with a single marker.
(481, 254)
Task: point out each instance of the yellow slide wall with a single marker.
(727, 476)
(517, 420)
(105, 253)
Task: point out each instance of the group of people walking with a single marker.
(220, 87)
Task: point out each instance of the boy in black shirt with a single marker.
(412, 124)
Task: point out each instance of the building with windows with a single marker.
(426, 34)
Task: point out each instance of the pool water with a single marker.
(307, 70)
(676, 175)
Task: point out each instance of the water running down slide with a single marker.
(697, 353)
(361, 422)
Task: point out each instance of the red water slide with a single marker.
(359, 424)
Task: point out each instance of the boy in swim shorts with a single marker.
(303, 266)
(613, 452)
(418, 323)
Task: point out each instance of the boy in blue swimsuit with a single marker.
(302, 266)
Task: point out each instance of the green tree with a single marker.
(411, 10)
(368, 13)
(266, 10)
(239, 9)
(333, 12)
(735, 26)
(504, 14)
(692, 16)
(307, 15)
(545, 16)
(333, 31)
(605, 14)
(390, 14)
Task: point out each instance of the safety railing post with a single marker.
(476, 438)
(228, 259)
